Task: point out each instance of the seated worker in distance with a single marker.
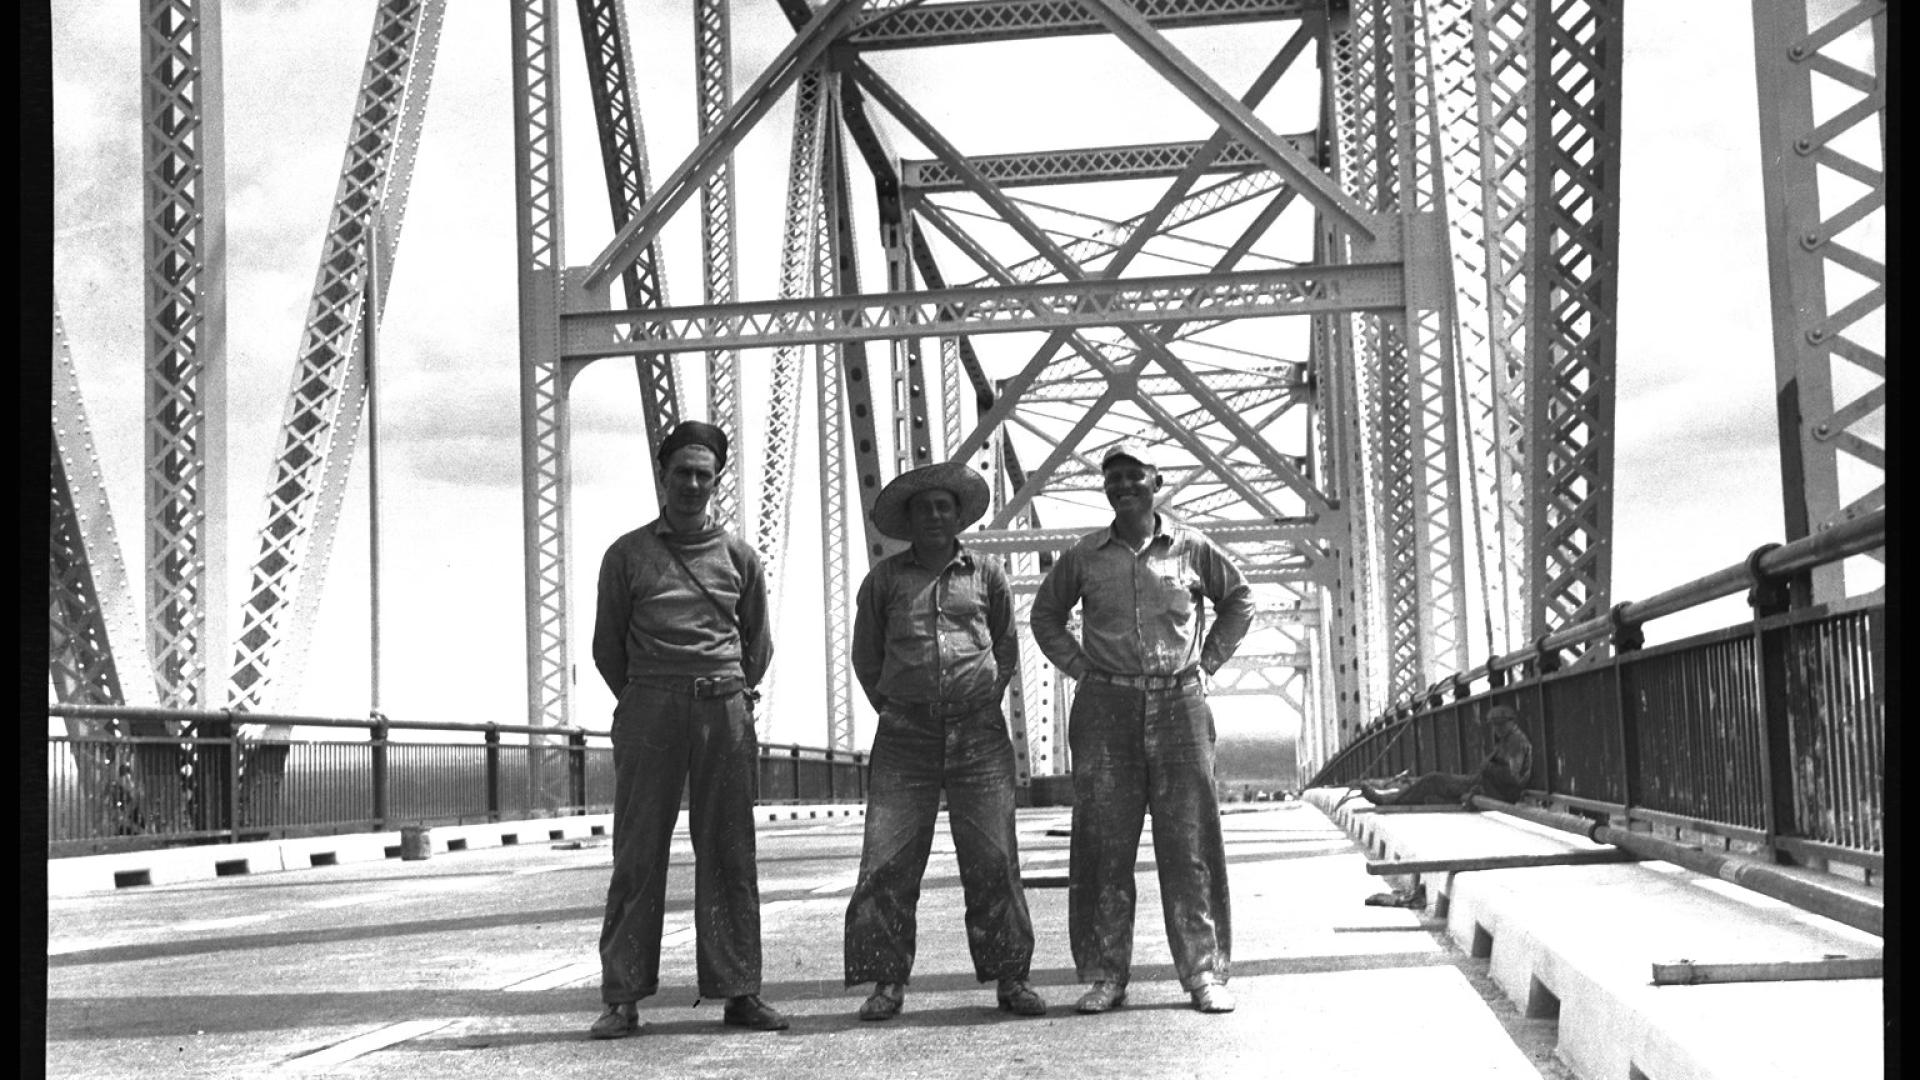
(1503, 775)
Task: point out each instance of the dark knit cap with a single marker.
(694, 433)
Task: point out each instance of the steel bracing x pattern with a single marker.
(799, 266)
(543, 377)
(91, 605)
(623, 156)
(324, 407)
(713, 76)
(835, 271)
(1127, 302)
(1823, 131)
(1429, 322)
(1573, 264)
(1457, 55)
(92, 600)
(1143, 162)
(923, 25)
(184, 228)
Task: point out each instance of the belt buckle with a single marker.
(703, 685)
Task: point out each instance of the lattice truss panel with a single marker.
(1156, 271)
(1573, 265)
(185, 319)
(308, 479)
(1823, 127)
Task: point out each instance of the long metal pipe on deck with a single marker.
(1802, 889)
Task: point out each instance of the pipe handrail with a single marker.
(1855, 537)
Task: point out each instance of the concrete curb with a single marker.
(81, 874)
(1578, 943)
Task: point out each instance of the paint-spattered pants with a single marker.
(664, 740)
(915, 756)
(1135, 750)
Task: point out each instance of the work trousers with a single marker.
(1134, 751)
(664, 740)
(915, 756)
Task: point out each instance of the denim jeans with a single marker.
(914, 756)
(662, 740)
(1135, 750)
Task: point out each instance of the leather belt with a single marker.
(1146, 682)
(940, 710)
(699, 686)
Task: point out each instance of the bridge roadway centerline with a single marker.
(483, 962)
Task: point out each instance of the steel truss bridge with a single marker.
(1379, 352)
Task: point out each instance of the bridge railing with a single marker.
(1769, 736)
(108, 791)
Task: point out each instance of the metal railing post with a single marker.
(577, 771)
(493, 772)
(1625, 638)
(379, 731)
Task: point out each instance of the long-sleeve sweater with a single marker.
(652, 619)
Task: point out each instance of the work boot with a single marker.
(1019, 998)
(1213, 997)
(1102, 996)
(885, 1001)
(748, 1011)
(618, 1022)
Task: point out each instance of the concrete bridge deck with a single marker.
(481, 962)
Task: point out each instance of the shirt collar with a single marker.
(1163, 526)
(962, 557)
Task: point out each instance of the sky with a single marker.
(1696, 467)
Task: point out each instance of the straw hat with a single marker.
(968, 488)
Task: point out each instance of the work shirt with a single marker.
(653, 619)
(944, 635)
(1140, 612)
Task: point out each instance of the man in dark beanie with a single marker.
(680, 634)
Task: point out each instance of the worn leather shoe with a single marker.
(1102, 996)
(1213, 997)
(618, 1022)
(748, 1011)
(885, 1001)
(1019, 998)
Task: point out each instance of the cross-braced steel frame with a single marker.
(1428, 468)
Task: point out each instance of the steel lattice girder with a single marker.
(543, 377)
(185, 205)
(1824, 156)
(1141, 162)
(834, 270)
(713, 78)
(925, 25)
(1007, 309)
(623, 156)
(308, 479)
(1573, 265)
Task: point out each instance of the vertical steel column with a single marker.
(845, 412)
(1428, 325)
(1573, 177)
(545, 491)
(186, 323)
(1503, 56)
(1824, 171)
(713, 71)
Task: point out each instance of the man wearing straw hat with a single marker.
(680, 635)
(934, 649)
(1141, 733)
